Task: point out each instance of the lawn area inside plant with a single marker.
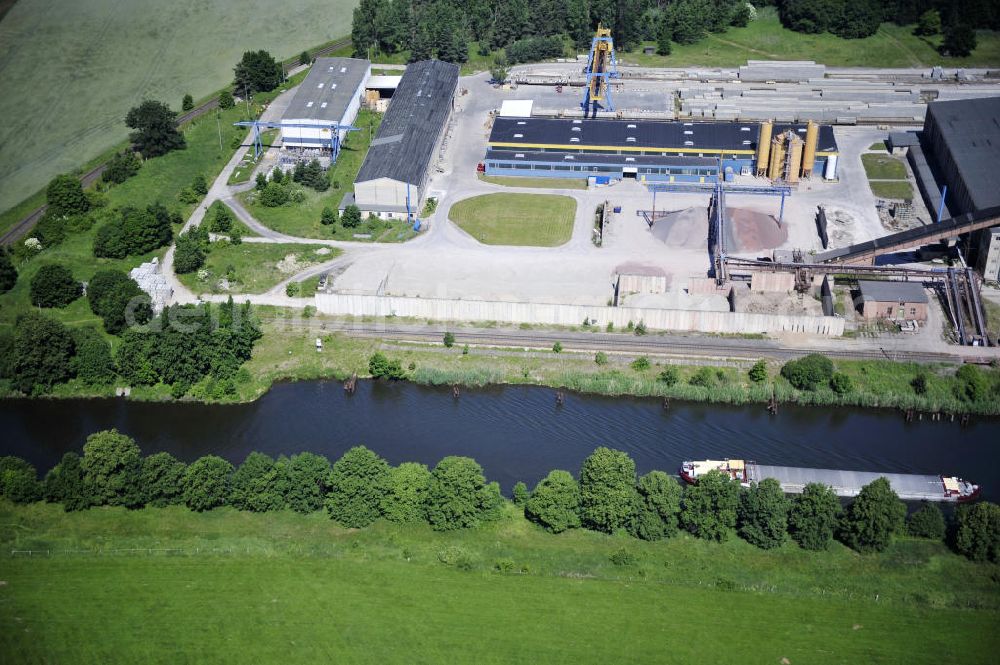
(892, 189)
(303, 219)
(883, 167)
(540, 220)
(283, 587)
(541, 183)
(254, 267)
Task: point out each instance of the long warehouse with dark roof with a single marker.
(394, 175)
(643, 149)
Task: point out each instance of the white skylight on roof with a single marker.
(519, 155)
(574, 140)
(630, 139)
(630, 159)
(320, 85)
(519, 136)
(333, 86)
(569, 157)
(343, 69)
(577, 122)
(630, 126)
(746, 143)
(309, 105)
(323, 105)
(689, 143)
(688, 132)
(576, 129)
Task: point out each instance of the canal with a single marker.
(516, 433)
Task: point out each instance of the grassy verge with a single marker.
(289, 354)
(283, 587)
(253, 267)
(245, 168)
(878, 146)
(766, 39)
(541, 220)
(303, 219)
(540, 183)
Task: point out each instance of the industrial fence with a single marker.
(441, 309)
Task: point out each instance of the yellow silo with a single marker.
(795, 149)
(763, 147)
(809, 151)
(776, 164)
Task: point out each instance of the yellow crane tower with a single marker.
(602, 66)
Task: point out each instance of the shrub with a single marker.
(351, 219)
(328, 217)
(459, 496)
(111, 465)
(449, 340)
(841, 383)
(65, 196)
(926, 522)
(669, 376)
(92, 363)
(660, 504)
(609, 499)
(972, 384)
(873, 517)
(555, 502)
(206, 483)
(54, 286)
(557, 347)
(640, 329)
(116, 298)
(381, 367)
(977, 532)
(763, 514)
(358, 484)
(919, 383)
(406, 493)
(274, 195)
(601, 358)
(640, 364)
(122, 166)
(808, 372)
(8, 273)
(226, 100)
(703, 378)
(709, 507)
(520, 493)
(758, 373)
(622, 557)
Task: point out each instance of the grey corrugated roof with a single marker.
(654, 134)
(331, 81)
(903, 139)
(971, 130)
(892, 291)
(403, 146)
(594, 158)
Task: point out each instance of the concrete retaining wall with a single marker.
(572, 315)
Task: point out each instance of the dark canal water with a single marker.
(516, 433)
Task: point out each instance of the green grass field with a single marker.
(883, 167)
(254, 267)
(892, 189)
(64, 105)
(540, 183)
(766, 39)
(540, 220)
(285, 588)
(878, 146)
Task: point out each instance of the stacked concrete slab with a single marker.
(154, 283)
(781, 70)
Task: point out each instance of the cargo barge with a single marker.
(909, 487)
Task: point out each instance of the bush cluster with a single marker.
(133, 231)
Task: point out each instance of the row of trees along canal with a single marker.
(361, 487)
(528, 31)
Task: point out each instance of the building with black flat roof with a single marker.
(642, 149)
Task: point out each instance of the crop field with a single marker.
(169, 586)
(541, 220)
(71, 70)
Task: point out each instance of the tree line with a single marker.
(609, 497)
(183, 346)
(444, 28)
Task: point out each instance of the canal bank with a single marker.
(515, 432)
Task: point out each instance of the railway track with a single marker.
(87, 179)
(677, 345)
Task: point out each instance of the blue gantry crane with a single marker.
(602, 67)
(333, 127)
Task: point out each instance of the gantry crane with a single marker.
(602, 66)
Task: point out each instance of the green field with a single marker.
(254, 267)
(282, 587)
(883, 167)
(540, 220)
(540, 183)
(64, 104)
(892, 189)
(766, 39)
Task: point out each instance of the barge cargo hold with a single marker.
(909, 487)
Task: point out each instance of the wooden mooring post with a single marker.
(455, 391)
(560, 398)
(772, 404)
(351, 384)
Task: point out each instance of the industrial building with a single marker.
(989, 254)
(393, 177)
(895, 301)
(329, 96)
(659, 151)
(961, 139)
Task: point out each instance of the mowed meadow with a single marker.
(71, 70)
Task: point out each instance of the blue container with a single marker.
(618, 209)
(602, 179)
(416, 225)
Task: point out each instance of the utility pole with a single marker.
(218, 124)
(246, 98)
